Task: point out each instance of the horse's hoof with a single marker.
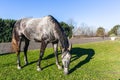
(19, 67)
(59, 67)
(39, 69)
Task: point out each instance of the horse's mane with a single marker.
(62, 36)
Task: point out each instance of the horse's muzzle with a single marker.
(66, 71)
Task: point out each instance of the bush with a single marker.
(6, 26)
(112, 35)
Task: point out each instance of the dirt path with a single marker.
(6, 47)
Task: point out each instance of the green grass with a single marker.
(90, 61)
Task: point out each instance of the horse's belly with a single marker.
(45, 37)
(31, 34)
(34, 36)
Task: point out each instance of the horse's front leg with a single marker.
(42, 49)
(55, 46)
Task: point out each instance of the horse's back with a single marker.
(38, 28)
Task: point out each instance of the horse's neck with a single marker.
(62, 37)
(64, 42)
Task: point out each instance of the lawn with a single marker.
(90, 61)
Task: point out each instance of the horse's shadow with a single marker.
(76, 54)
(44, 58)
(79, 52)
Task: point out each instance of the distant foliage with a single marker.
(6, 26)
(100, 32)
(115, 30)
(67, 28)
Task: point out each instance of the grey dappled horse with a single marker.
(45, 30)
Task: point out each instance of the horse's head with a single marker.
(66, 57)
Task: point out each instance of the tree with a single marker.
(83, 31)
(114, 30)
(6, 26)
(100, 32)
(67, 28)
(118, 31)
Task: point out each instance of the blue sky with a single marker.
(95, 13)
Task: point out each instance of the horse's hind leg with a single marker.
(43, 46)
(55, 46)
(18, 53)
(25, 51)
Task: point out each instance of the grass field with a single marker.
(90, 61)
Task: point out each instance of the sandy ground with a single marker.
(6, 47)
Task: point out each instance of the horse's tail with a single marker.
(15, 46)
(15, 36)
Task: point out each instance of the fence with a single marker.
(7, 47)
